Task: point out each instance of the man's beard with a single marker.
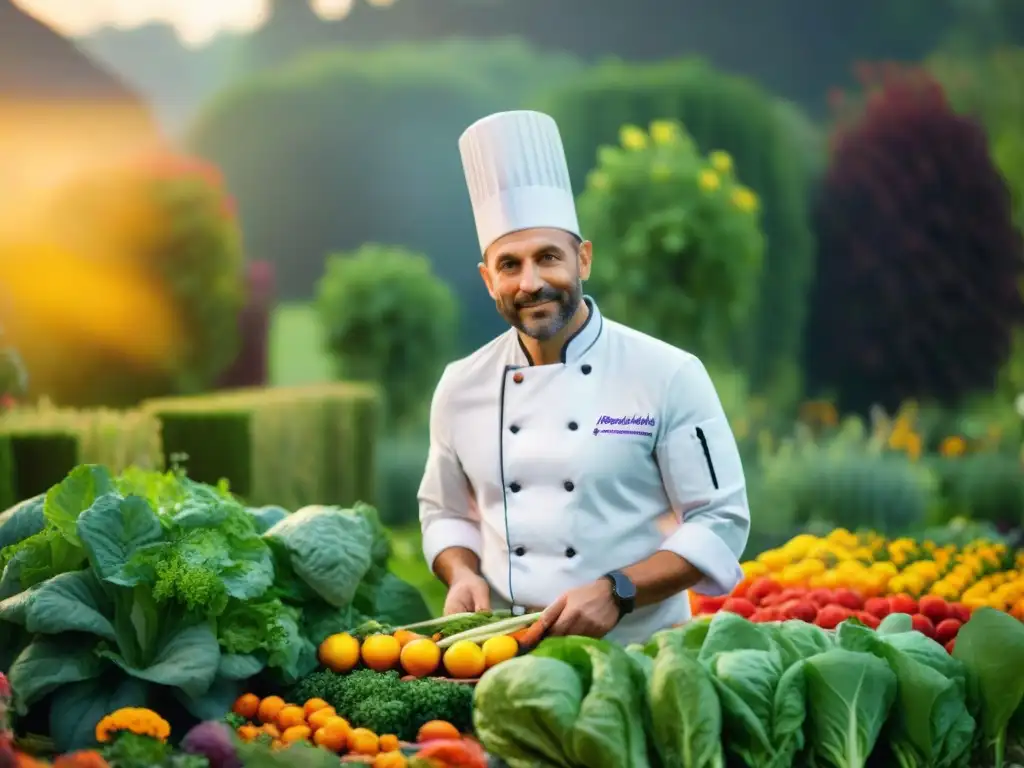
(565, 304)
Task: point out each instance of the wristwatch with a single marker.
(623, 590)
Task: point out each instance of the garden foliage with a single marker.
(913, 222)
(680, 247)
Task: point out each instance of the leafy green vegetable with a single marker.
(849, 695)
(572, 702)
(991, 648)
(687, 716)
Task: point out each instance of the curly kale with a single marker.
(384, 703)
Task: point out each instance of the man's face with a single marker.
(536, 279)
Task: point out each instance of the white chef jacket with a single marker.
(556, 474)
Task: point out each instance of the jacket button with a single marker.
(568, 485)
(520, 551)
(513, 429)
(586, 368)
(515, 487)
(517, 378)
(573, 426)
(570, 552)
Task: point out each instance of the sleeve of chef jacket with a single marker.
(448, 515)
(703, 476)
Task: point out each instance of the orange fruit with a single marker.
(289, 716)
(319, 718)
(269, 708)
(381, 652)
(272, 730)
(388, 742)
(363, 741)
(465, 660)
(339, 653)
(437, 729)
(499, 649)
(404, 637)
(421, 657)
(296, 733)
(247, 705)
(313, 705)
(333, 735)
(248, 732)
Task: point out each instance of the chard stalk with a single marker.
(481, 634)
(442, 621)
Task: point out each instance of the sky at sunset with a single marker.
(195, 21)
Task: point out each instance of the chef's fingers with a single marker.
(481, 594)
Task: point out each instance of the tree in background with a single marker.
(344, 147)
(388, 319)
(151, 251)
(251, 366)
(731, 114)
(679, 246)
(917, 290)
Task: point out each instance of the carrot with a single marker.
(520, 636)
(533, 635)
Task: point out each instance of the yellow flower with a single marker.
(708, 180)
(142, 722)
(953, 446)
(744, 199)
(632, 138)
(664, 131)
(721, 161)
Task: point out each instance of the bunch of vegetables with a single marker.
(979, 573)
(765, 600)
(273, 721)
(115, 591)
(762, 695)
(461, 646)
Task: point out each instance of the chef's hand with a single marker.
(468, 592)
(589, 610)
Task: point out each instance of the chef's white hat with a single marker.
(517, 175)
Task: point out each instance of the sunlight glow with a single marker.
(196, 22)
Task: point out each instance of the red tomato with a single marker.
(739, 605)
(934, 607)
(902, 603)
(831, 616)
(947, 630)
(761, 588)
(705, 604)
(801, 610)
(877, 607)
(950, 646)
(923, 625)
(848, 599)
(821, 597)
(778, 598)
(960, 611)
(868, 619)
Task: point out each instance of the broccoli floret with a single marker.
(385, 704)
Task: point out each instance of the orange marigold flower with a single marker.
(137, 720)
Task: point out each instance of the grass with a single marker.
(297, 354)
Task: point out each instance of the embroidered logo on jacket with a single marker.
(625, 425)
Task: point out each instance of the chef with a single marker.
(576, 467)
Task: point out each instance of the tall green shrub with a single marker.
(680, 243)
(389, 320)
(721, 112)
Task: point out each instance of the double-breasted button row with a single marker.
(568, 485)
(514, 428)
(518, 377)
(521, 551)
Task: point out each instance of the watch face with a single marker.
(624, 588)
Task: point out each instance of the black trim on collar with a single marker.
(565, 347)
